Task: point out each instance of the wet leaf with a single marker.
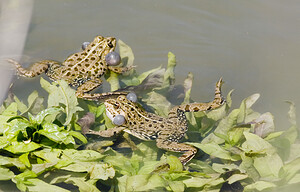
(21, 147)
(39, 118)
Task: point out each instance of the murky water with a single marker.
(254, 45)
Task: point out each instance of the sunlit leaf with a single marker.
(6, 174)
(21, 147)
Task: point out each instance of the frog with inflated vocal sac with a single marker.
(81, 70)
(130, 117)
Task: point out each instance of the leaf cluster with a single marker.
(41, 147)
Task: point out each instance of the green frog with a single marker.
(81, 70)
(167, 132)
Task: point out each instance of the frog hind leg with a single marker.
(194, 107)
(189, 151)
(120, 70)
(105, 133)
(84, 89)
(36, 69)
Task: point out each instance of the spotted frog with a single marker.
(81, 70)
(148, 126)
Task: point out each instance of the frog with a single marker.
(81, 70)
(166, 131)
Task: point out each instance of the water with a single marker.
(253, 45)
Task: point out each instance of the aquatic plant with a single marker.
(42, 148)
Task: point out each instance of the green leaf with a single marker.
(6, 174)
(187, 84)
(39, 185)
(113, 81)
(255, 144)
(102, 171)
(39, 118)
(290, 169)
(61, 93)
(35, 103)
(159, 102)
(21, 106)
(22, 181)
(175, 164)
(78, 135)
(146, 74)
(215, 150)
(24, 159)
(197, 182)
(82, 184)
(125, 53)
(264, 125)
(292, 113)
(21, 147)
(56, 134)
(236, 177)
(259, 186)
(9, 162)
(268, 166)
(169, 77)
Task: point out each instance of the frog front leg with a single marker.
(84, 89)
(36, 69)
(120, 70)
(188, 151)
(105, 133)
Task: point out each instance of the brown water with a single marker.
(254, 45)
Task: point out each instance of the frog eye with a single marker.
(84, 45)
(131, 97)
(119, 120)
(110, 44)
(113, 58)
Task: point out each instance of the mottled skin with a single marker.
(81, 70)
(148, 126)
